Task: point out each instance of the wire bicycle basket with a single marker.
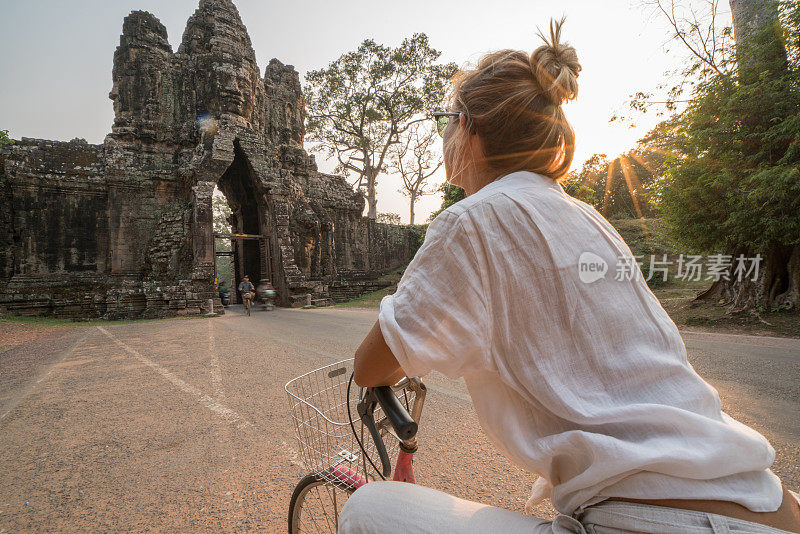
(331, 445)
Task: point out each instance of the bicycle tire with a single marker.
(301, 497)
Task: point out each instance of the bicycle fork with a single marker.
(398, 423)
(404, 470)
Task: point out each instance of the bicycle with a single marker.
(247, 298)
(334, 446)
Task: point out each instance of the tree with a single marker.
(756, 28)
(361, 104)
(222, 225)
(622, 188)
(733, 178)
(5, 139)
(415, 161)
(450, 195)
(222, 212)
(574, 187)
(697, 26)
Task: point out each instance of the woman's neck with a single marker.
(475, 182)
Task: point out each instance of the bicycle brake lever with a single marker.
(366, 411)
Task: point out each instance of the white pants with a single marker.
(387, 507)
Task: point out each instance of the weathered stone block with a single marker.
(124, 229)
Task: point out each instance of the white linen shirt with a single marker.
(583, 382)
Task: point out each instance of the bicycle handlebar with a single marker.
(400, 419)
(402, 423)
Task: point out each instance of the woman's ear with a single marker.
(462, 122)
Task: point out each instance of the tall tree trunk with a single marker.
(778, 282)
(411, 210)
(372, 201)
(776, 286)
(750, 17)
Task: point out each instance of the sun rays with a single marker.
(627, 167)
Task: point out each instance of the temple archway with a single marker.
(250, 223)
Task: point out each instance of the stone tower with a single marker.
(126, 228)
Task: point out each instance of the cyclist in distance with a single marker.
(246, 289)
(582, 380)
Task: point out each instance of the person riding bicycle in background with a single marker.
(584, 382)
(246, 288)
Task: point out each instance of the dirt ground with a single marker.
(185, 426)
(14, 334)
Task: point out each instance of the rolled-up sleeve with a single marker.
(438, 318)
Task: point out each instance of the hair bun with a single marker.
(555, 67)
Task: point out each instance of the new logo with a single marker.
(591, 267)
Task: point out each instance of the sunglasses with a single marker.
(443, 119)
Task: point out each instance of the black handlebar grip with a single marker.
(404, 426)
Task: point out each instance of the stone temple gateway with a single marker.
(125, 229)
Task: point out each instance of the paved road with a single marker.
(184, 425)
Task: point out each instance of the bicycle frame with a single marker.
(403, 472)
(247, 303)
(330, 448)
(404, 467)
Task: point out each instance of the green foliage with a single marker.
(617, 201)
(699, 30)
(222, 211)
(646, 238)
(389, 218)
(418, 232)
(574, 187)
(451, 194)
(361, 103)
(733, 179)
(5, 139)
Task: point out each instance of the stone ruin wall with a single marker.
(125, 229)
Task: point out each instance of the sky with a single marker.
(55, 65)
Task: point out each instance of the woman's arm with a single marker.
(375, 365)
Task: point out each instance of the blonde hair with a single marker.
(513, 101)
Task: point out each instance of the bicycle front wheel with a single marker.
(316, 505)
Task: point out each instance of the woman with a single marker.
(582, 380)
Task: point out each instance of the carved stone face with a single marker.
(217, 49)
(226, 88)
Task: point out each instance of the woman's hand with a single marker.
(375, 365)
